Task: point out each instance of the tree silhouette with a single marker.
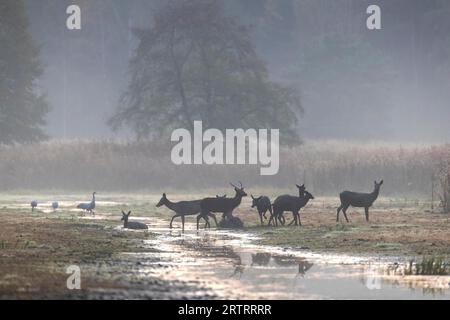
(196, 63)
(22, 106)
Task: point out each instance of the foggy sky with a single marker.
(86, 71)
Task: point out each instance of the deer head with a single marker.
(308, 196)
(255, 201)
(378, 185)
(239, 190)
(162, 201)
(125, 216)
(301, 189)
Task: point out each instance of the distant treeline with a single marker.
(326, 167)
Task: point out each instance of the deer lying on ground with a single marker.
(221, 205)
(263, 205)
(358, 200)
(289, 203)
(132, 224)
(182, 209)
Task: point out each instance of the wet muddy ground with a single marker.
(322, 259)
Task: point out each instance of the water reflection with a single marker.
(231, 264)
(263, 259)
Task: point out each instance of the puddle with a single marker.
(232, 266)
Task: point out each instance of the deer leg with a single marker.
(338, 211)
(344, 211)
(298, 217)
(274, 219)
(284, 219)
(227, 215)
(281, 219)
(261, 217)
(271, 215)
(182, 223)
(198, 219)
(214, 217)
(207, 224)
(367, 213)
(271, 219)
(171, 221)
(293, 220)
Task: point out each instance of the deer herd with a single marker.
(207, 208)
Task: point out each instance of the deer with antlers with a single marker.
(208, 206)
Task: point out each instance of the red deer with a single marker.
(358, 200)
(289, 203)
(221, 205)
(263, 205)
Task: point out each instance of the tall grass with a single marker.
(326, 167)
(443, 178)
(435, 266)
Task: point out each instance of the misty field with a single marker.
(327, 167)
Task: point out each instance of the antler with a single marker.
(241, 187)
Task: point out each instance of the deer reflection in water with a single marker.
(263, 259)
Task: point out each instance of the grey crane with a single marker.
(88, 206)
(55, 205)
(34, 204)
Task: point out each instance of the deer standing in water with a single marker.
(221, 205)
(181, 209)
(358, 200)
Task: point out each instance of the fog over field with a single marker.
(390, 84)
(224, 149)
(352, 104)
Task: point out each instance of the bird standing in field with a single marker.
(55, 205)
(89, 206)
(34, 204)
